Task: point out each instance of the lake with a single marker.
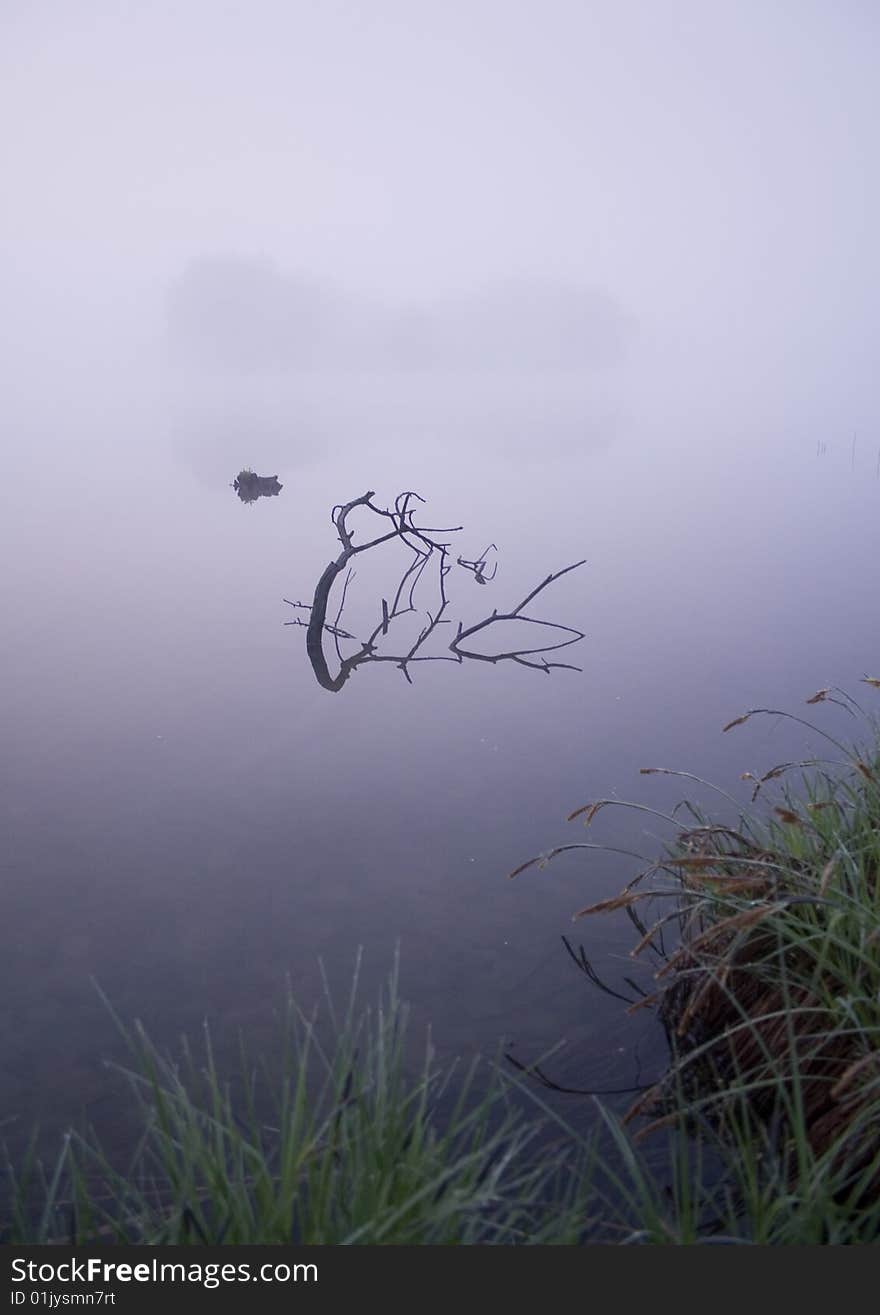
(190, 820)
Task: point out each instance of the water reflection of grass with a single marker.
(766, 1127)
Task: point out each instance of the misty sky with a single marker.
(710, 165)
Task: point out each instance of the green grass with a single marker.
(765, 1129)
(346, 1146)
(767, 932)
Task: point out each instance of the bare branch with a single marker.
(425, 549)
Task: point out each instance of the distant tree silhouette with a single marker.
(241, 313)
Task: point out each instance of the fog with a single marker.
(705, 172)
(599, 281)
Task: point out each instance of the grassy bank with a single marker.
(766, 935)
(766, 1127)
(353, 1141)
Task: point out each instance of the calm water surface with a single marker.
(190, 819)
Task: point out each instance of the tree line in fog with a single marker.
(240, 313)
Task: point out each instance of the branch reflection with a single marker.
(420, 591)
